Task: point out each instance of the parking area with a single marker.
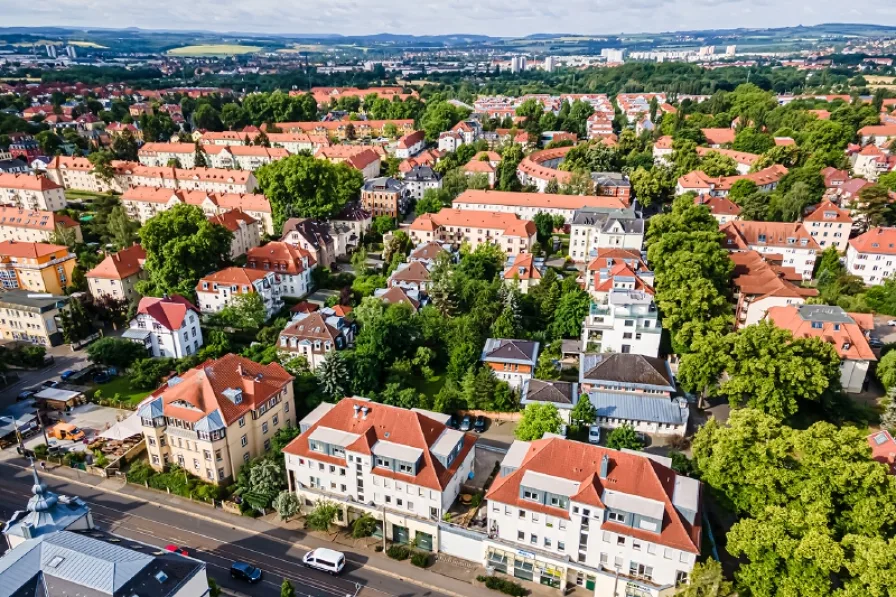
(886, 333)
(92, 419)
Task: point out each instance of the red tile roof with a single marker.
(392, 424)
(396, 295)
(278, 257)
(741, 157)
(719, 136)
(18, 217)
(169, 311)
(509, 224)
(244, 201)
(878, 241)
(411, 139)
(26, 182)
(232, 219)
(756, 277)
(607, 258)
(119, 266)
(847, 338)
(538, 200)
(232, 276)
(883, 449)
(744, 234)
(28, 250)
(828, 212)
(718, 206)
(522, 261)
(885, 130)
(629, 473)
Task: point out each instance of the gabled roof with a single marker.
(169, 311)
(26, 182)
(523, 266)
(413, 271)
(393, 425)
(845, 331)
(628, 473)
(561, 393)
(828, 212)
(397, 295)
(232, 219)
(30, 250)
(626, 369)
(607, 258)
(878, 241)
(426, 251)
(745, 234)
(537, 200)
(719, 136)
(311, 326)
(718, 206)
(502, 350)
(231, 276)
(753, 276)
(278, 257)
(509, 224)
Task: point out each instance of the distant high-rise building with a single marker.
(71, 51)
(730, 50)
(550, 63)
(517, 64)
(51, 50)
(612, 55)
(707, 51)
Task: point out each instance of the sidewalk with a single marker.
(442, 577)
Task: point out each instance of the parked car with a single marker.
(50, 383)
(892, 323)
(594, 434)
(244, 571)
(325, 559)
(67, 374)
(466, 423)
(102, 377)
(875, 342)
(175, 549)
(25, 395)
(480, 424)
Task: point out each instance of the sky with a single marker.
(493, 17)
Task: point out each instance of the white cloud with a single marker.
(495, 17)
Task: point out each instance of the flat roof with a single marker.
(387, 449)
(550, 483)
(446, 442)
(31, 301)
(333, 436)
(633, 503)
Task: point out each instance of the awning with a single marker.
(124, 429)
(135, 334)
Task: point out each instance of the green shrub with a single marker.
(420, 559)
(140, 472)
(508, 587)
(399, 552)
(364, 526)
(41, 451)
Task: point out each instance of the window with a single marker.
(561, 545)
(547, 542)
(681, 577)
(530, 495)
(242, 421)
(604, 558)
(606, 537)
(620, 540)
(244, 441)
(522, 514)
(636, 545)
(535, 517)
(616, 517)
(520, 536)
(533, 539)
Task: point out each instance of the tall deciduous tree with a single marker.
(537, 420)
(332, 374)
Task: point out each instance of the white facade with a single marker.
(873, 268)
(165, 342)
(829, 233)
(586, 238)
(627, 322)
(22, 190)
(214, 293)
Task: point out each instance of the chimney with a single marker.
(364, 411)
(604, 466)
(357, 408)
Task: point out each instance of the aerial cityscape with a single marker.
(367, 301)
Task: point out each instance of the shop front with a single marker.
(527, 566)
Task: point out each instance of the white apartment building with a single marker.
(564, 513)
(217, 290)
(594, 228)
(142, 203)
(829, 226)
(239, 157)
(291, 142)
(209, 180)
(117, 275)
(872, 255)
(455, 226)
(31, 193)
(403, 467)
(410, 145)
(512, 361)
(790, 240)
(78, 173)
(527, 205)
(760, 284)
(625, 320)
(216, 417)
(24, 225)
(167, 327)
(292, 266)
(314, 335)
(419, 179)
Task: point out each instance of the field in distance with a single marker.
(214, 50)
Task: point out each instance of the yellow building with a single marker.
(214, 418)
(39, 267)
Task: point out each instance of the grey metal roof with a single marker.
(638, 407)
(502, 350)
(384, 183)
(626, 370)
(211, 422)
(152, 409)
(422, 174)
(90, 562)
(824, 313)
(36, 302)
(592, 216)
(46, 513)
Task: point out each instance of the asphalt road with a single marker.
(216, 544)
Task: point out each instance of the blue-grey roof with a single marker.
(152, 409)
(625, 371)
(46, 513)
(637, 407)
(503, 350)
(211, 422)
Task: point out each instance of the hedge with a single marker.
(508, 587)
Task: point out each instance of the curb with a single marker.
(375, 569)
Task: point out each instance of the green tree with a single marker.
(439, 117)
(199, 156)
(121, 229)
(742, 189)
(287, 505)
(332, 374)
(322, 516)
(886, 370)
(383, 224)
(652, 186)
(715, 164)
(753, 141)
(888, 180)
(571, 312)
(115, 352)
(49, 142)
(430, 203)
(245, 311)
(181, 246)
(303, 186)
(544, 226)
(583, 413)
(233, 117)
(286, 589)
(706, 580)
(76, 322)
(873, 206)
(206, 117)
(125, 147)
(537, 420)
(102, 165)
(506, 175)
(626, 437)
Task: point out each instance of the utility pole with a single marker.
(384, 528)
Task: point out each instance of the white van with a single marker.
(325, 559)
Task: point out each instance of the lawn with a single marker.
(429, 387)
(214, 50)
(130, 397)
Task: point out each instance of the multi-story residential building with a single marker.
(847, 332)
(167, 326)
(384, 196)
(762, 283)
(350, 225)
(456, 226)
(829, 226)
(419, 179)
(245, 229)
(697, 181)
(38, 267)
(142, 203)
(512, 361)
(427, 253)
(792, 241)
(596, 228)
(359, 157)
(217, 290)
(117, 275)
(240, 157)
(717, 137)
(527, 205)
(564, 513)
(523, 271)
(625, 320)
(292, 266)
(871, 162)
(872, 255)
(314, 335)
(210, 180)
(312, 236)
(341, 130)
(23, 225)
(397, 295)
(743, 160)
(410, 145)
(29, 317)
(78, 173)
(413, 275)
(403, 467)
(463, 133)
(617, 269)
(216, 417)
(880, 135)
(635, 390)
(291, 142)
(31, 193)
(723, 209)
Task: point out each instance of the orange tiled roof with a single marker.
(278, 257)
(878, 241)
(232, 219)
(524, 261)
(539, 200)
(848, 338)
(119, 266)
(744, 234)
(754, 276)
(26, 182)
(232, 276)
(828, 212)
(718, 206)
(28, 250)
(718, 136)
(607, 258)
(510, 224)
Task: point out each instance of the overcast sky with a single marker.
(493, 17)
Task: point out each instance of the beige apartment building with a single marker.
(245, 229)
(117, 275)
(142, 203)
(456, 226)
(26, 317)
(24, 225)
(78, 174)
(215, 418)
(31, 192)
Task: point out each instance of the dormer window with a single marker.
(762, 238)
(817, 325)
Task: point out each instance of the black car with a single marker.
(466, 423)
(480, 424)
(246, 572)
